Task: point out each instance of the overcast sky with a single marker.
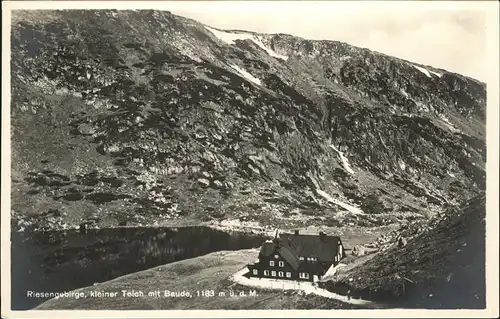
(447, 35)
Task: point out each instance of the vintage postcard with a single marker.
(249, 159)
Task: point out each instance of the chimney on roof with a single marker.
(322, 235)
(276, 239)
(296, 232)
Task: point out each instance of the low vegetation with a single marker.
(441, 257)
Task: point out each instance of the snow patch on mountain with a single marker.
(344, 160)
(229, 37)
(272, 53)
(438, 74)
(348, 207)
(245, 74)
(426, 72)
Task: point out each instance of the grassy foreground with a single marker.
(211, 272)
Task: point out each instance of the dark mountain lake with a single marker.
(61, 261)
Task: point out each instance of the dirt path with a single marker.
(306, 287)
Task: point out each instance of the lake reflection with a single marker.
(65, 260)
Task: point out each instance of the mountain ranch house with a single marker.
(298, 257)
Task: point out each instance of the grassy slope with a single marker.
(211, 272)
(445, 264)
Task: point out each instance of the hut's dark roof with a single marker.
(290, 256)
(325, 247)
(293, 246)
(268, 248)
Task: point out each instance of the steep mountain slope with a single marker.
(146, 117)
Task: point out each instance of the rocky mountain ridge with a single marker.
(147, 118)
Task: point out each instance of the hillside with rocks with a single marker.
(143, 117)
(441, 264)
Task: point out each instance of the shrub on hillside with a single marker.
(372, 205)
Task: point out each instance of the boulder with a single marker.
(204, 182)
(86, 129)
(206, 174)
(358, 250)
(218, 184)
